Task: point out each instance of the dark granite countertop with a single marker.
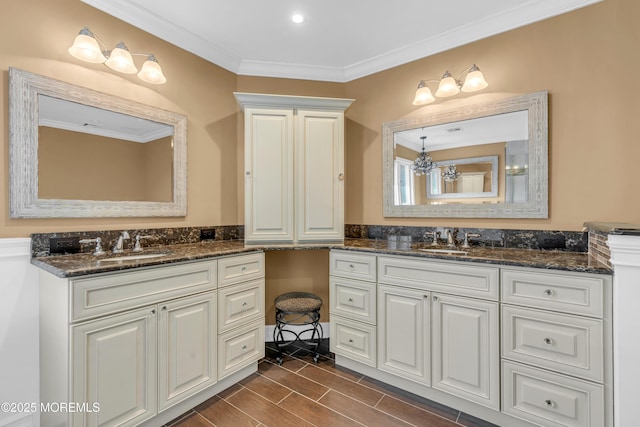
(85, 264)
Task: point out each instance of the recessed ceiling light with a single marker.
(297, 18)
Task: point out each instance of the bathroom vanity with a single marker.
(496, 341)
(149, 343)
(514, 337)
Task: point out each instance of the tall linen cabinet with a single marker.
(294, 168)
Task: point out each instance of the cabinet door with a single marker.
(186, 347)
(403, 333)
(114, 364)
(319, 175)
(268, 175)
(465, 348)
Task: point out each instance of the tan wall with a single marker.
(35, 35)
(585, 59)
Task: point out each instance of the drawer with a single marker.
(240, 347)
(110, 293)
(240, 268)
(353, 299)
(240, 304)
(549, 399)
(564, 292)
(353, 265)
(354, 340)
(568, 344)
(458, 278)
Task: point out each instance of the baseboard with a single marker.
(21, 420)
(268, 331)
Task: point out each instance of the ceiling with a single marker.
(339, 40)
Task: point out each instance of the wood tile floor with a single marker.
(300, 393)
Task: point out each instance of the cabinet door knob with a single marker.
(548, 341)
(548, 292)
(341, 176)
(434, 298)
(153, 311)
(164, 307)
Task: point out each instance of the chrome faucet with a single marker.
(451, 238)
(138, 245)
(118, 247)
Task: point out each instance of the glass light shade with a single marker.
(423, 95)
(151, 71)
(120, 60)
(448, 86)
(475, 81)
(85, 48)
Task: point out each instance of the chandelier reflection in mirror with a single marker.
(450, 86)
(86, 48)
(450, 174)
(423, 164)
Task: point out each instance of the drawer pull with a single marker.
(548, 292)
(243, 269)
(351, 267)
(350, 299)
(548, 403)
(244, 304)
(244, 347)
(548, 341)
(351, 340)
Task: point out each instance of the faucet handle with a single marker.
(138, 246)
(436, 235)
(466, 239)
(98, 241)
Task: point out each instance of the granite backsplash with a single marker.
(572, 241)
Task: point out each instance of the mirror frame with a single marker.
(24, 88)
(537, 206)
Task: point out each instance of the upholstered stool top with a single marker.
(298, 302)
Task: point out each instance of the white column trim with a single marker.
(625, 259)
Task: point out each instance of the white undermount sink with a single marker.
(133, 257)
(445, 251)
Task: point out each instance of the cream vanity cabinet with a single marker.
(352, 306)
(294, 168)
(135, 342)
(240, 312)
(514, 346)
(556, 347)
(438, 326)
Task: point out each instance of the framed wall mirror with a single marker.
(75, 152)
(487, 160)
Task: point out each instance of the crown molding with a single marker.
(529, 12)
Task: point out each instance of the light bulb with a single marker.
(85, 47)
(120, 60)
(448, 86)
(423, 95)
(151, 71)
(475, 80)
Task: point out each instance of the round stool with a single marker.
(299, 309)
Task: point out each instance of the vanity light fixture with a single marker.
(86, 47)
(423, 164)
(450, 86)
